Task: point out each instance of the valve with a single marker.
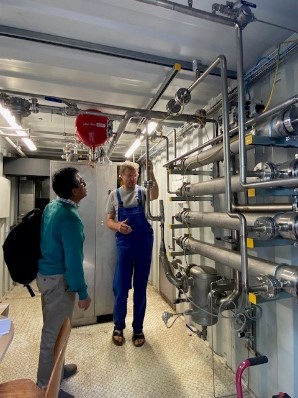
(182, 96)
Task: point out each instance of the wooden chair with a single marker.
(26, 388)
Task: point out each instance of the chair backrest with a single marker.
(53, 388)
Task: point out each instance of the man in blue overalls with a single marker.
(134, 241)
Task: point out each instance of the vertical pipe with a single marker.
(241, 118)
(175, 142)
(148, 211)
(242, 156)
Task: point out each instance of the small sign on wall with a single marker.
(4, 197)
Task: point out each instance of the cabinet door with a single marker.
(106, 177)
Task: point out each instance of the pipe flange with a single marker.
(290, 120)
(266, 169)
(271, 286)
(182, 96)
(287, 224)
(173, 107)
(265, 228)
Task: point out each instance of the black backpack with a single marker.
(21, 249)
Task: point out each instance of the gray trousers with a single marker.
(57, 304)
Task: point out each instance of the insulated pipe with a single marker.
(214, 154)
(194, 12)
(287, 274)
(241, 121)
(220, 220)
(291, 101)
(214, 187)
(217, 186)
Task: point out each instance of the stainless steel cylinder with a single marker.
(287, 225)
(283, 124)
(202, 278)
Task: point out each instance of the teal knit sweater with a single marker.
(62, 238)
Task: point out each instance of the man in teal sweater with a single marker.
(60, 269)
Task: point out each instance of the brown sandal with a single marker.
(118, 337)
(138, 339)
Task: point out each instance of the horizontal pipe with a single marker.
(214, 219)
(250, 122)
(214, 154)
(287, 274)
(264, 208)
(147, 114)
(194, 12)
(215, 186)
(14, 146)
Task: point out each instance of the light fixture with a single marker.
(134, 146)
(11, 120)
(150, 128)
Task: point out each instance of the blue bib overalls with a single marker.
(134, 253)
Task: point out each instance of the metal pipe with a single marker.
(144, 113)
(175, 142)
(214, 154)
(216, 186)
(207, 16)
(59, 110)
(287, 274)
(291, 101)
(242, 149)
(149, 184)
(227, 180)
(15, 147)
(264, 208)
(214, 219)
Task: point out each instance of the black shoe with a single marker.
(69, 370)
(64, 394)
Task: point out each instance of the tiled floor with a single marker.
(171, 364)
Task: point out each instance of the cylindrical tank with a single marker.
(202, 277)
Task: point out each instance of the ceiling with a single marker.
(118, 57)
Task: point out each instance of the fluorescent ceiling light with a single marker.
(134, 146)
(11, 120)
(151, 127)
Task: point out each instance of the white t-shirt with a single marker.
(129, 198)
